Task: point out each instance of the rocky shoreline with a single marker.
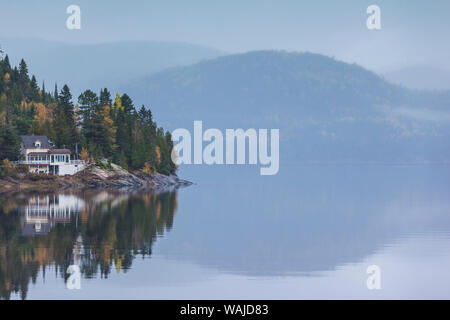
(93, 177)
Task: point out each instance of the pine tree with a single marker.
(88, 103)
(62, 135)
(24, 80)
(23, 73)
(127, 103)
(9, 142)
(146, 116)
(105, 98)
(65, 105)
(102, 133)
(6, 65)
(123, 138)
(34, 89)
(55, 93)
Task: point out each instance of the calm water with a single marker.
(309, 232)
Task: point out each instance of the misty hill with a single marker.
(326, 110)
(84, 66)
(420, 77)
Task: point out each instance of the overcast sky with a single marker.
(413, 32)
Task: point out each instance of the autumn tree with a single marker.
(102, 127)
(84, 154)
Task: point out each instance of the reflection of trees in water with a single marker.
(108, 232)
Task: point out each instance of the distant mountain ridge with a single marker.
(84, 66)
(326, 110)
(420, 77)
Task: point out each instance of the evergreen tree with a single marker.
(34, 89)
(24, 81)
(88, 103)
(23, 70)
(55, 93)
(105, 98)
(127, 103)
(103, 132)
(115, 131)
(6, 65)
(9, 142)
(62, 134)
(65, 105)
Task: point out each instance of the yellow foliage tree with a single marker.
(118, 102)
(109, 128)
(148, 169)
(42, 113)
(7, 166)
(84, 154)
(24, 105)
(158, 155)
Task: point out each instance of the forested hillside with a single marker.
(326, 110)
(101, 126)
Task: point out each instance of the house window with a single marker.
(37, 144)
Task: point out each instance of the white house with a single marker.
(38, 154)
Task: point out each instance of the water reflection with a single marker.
(97, 231)
(306, 220)
(42, 213)
(294, 234)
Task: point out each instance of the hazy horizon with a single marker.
(224, 150)
(413, 33)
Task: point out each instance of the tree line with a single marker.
(99, 126)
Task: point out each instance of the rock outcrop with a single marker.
(93, 177)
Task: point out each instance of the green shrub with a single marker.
(103, 165)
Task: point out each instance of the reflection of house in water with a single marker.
(43, 212)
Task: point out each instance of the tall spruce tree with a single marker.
(88, 103)
(55, 93)
(6, 65)
(34, 89)
(105, 98)
(9, 142)
(127, 103)
(65, 105)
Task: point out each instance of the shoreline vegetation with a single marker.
(100, 175)
(100, 130)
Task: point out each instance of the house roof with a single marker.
(38, 153)
(59, 151)
(29, 141)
